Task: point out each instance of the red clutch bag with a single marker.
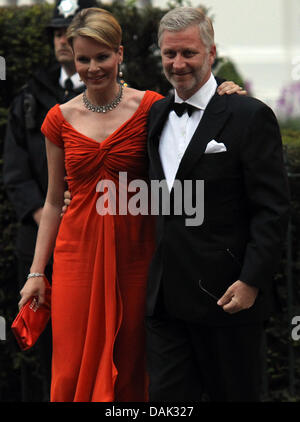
(32, 320)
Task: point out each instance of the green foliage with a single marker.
(291, 124)
(291, 140)
(9, 374)
(24, 44)
(225, 69)
(283, 358)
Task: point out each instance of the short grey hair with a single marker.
(181, 18)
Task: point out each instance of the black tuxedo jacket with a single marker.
(246, 204)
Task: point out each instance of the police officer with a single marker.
(25, 163)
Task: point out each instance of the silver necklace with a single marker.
(104, 108)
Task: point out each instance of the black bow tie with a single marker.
(180, 108)
(68, 84)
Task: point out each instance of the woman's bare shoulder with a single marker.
(133, 96)
(72, 106)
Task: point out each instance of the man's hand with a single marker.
(237, 297)
(229, 88)
(67, 202)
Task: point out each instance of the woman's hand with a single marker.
(34, 287)
(67, 202)
(229, 87)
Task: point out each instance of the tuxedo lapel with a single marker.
(213, 120)
(154, 130)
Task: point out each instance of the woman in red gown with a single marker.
(100, 261)
(101, 257)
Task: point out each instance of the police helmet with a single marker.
(65, 10)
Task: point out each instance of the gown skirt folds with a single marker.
(101, 261)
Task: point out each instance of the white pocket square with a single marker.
(214, 147)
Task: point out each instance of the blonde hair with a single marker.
(98, 24)
(181, 18)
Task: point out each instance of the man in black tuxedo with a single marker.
(210, 286)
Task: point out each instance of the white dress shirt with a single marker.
(178, 131)
(77, 83)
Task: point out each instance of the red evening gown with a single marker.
(100, 268)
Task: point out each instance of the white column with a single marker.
(25, 2)
(7, 3)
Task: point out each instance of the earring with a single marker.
(120, 71)
(120, 75)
